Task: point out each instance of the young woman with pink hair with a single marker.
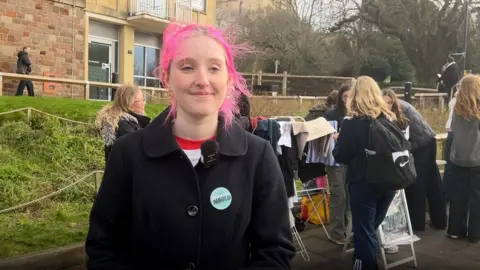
(192, 190)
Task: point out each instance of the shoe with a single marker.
(391, 250)
(453, 236)
(338, 241)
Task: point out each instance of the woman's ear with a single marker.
(165, 79)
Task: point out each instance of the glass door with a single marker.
(99, 68)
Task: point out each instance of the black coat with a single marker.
(128, 123)
(153, 209)
(451, 76)
(421, 134)
(23, 63)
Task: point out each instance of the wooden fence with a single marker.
(310, 84)
(159, 94)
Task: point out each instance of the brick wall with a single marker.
(55, 31)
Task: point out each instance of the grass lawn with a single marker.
(53, 225)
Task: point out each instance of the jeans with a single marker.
(465, 203)
(21, 87)
(339, 206)
(369, 206)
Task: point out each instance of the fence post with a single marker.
(259, 82)
(98, 181)
(408, 92)
(29, 114)
(284, 83)
(1, 84)
(441, 103)
(87, 91)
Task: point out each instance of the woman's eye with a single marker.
(215, 69)
(187, 68)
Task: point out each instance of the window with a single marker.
(145, 64)
(199, 5)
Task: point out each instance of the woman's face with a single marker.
(138, 105)
(198, 77)
(345, 96)
(389, 101)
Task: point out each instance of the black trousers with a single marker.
(448, 174)
(465, 203)
(428, 186)
(21, 87)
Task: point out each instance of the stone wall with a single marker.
(54, 30)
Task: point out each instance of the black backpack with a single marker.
(390, 164)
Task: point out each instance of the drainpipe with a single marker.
(74, 12)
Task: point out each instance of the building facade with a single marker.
(245, 6)
(94, 40)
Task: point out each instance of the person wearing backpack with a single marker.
(464, 219)
(369, 198)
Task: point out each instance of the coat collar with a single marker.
(158, 139)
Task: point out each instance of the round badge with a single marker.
(221, 198)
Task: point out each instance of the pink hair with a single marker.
(176, 33)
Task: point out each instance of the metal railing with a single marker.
(85, 84)
(175, 10)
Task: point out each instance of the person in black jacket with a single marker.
(125, 115)
(451, 75)
(339, 111)
(192, 190)
(369, 204)
(24, 66)
(339, 198)
(428, 185)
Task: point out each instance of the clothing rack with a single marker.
(296, 235)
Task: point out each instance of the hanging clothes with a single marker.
(327, 158)
(311, 130)
(269, 130)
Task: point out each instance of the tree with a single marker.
(293, 40)
(428, 29)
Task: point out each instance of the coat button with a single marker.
(190, 266)
(192, 210)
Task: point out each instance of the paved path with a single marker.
(433, 250)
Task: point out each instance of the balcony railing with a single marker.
(171, 10)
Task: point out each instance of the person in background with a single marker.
(340, 110)
(451, 75)
(428, 185)
(447, 177)
(125, 115)
(464, 218)
(369, 204)
(394, 105)
(321, 109)
(193, 190)
(339, 208)
(24, 66)
(243, 115)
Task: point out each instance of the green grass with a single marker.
(41, 156)
(75, 109)
(57, 225)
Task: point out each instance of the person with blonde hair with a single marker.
(369, 203)
(125, 115)
(465, 159)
